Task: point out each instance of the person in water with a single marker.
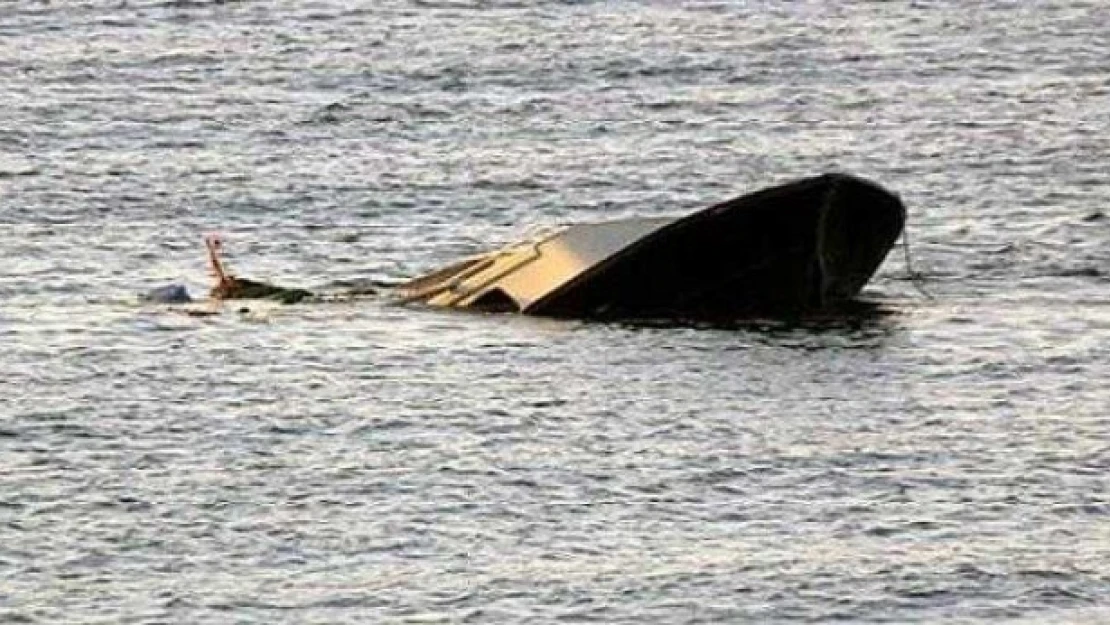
(229, 286)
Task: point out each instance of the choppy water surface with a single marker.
(359, 462)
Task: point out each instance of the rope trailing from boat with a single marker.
(916, 278)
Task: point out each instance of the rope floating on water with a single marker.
(915, 278)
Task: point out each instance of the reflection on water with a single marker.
(858, 320)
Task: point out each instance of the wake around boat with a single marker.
(802, 246)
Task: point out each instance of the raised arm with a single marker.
(224, 282)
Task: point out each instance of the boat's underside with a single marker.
(792, 248)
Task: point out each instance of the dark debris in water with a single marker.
(1081, 272)
(168, 294)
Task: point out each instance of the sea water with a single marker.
(357, 462)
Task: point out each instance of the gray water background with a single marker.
(358, 462)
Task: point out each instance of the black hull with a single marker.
(803, 246)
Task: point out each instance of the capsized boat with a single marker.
(798, 247)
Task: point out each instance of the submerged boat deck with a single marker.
(798, 246)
